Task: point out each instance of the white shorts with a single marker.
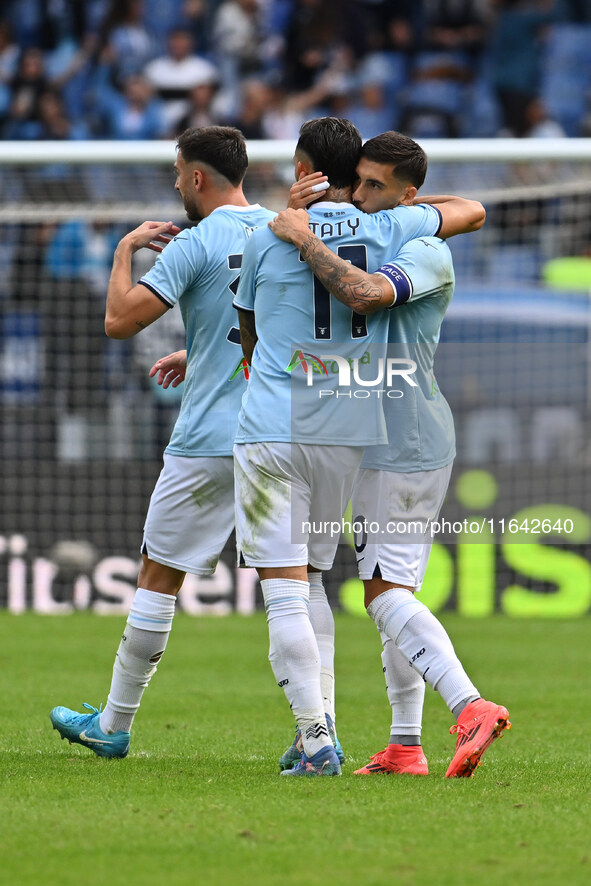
(290, 499)
(191, 513)
(396, 511)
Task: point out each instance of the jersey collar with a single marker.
(330, 204)
(233, 208)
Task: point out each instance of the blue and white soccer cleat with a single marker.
(85, 729)
(324, 762)
(335, 740)
(294, 752)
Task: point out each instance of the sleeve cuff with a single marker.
(156, 293)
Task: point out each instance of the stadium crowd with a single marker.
(145, 69)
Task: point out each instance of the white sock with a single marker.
(322, 621)
(294, 657)
(406, 693)
(424, 642)
(142, 646)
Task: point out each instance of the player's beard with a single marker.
(192, 212)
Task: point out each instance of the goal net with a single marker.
(83, 427)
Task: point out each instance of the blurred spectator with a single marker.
(539, 123)
(28, 278)
(312, 35)
(402, 25)
(239, 46)
(78, 261)
(433, 101)
(174, 74)
(255, 101)
(201, 111)
(370, 111)
(26, 87)
(8, 63)
(127, 45)
(54, 123)
(456, 25)
(238, 34)
(515, 56)
(133, 114)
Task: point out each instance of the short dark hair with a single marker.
(401, 152)
(221, 147)
(333, 144)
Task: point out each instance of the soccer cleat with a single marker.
(335, 740)
(294, 752)
(324, 762)
(398, 760)
(478, 725)
(85, 729)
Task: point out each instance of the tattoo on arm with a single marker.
(353, 287)
(140, 324)
(248, 333)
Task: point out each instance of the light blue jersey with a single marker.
(200, 269)
(299, 326)
(420, 424)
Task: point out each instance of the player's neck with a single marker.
(337, 195)
(229, 197)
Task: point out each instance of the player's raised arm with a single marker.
(363, 293)
(131, 308)
(458, 214)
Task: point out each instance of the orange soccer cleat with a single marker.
(478, 725)
(398, 760)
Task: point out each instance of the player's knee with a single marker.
(160, 578)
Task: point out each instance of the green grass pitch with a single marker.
(199, 799)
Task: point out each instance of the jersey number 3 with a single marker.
(234, 264)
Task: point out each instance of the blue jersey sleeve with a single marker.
(421, 268)
(177, 268)
(422, 220)
(245, 295)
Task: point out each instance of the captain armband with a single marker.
(400, 282)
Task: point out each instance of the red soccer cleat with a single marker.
(478, 725)
(397, 759)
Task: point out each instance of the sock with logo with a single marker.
(322, 621)
(142, 646)
(406, 694)
(294, 657)
(424, 642)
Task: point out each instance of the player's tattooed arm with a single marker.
(363, 293)
(248, 333)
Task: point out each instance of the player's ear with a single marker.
(302, 169)
(198, 179)
(408, 196)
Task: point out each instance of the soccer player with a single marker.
(191, 511)
(404, 483)
(295, 463)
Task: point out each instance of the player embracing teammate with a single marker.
(297, 456)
